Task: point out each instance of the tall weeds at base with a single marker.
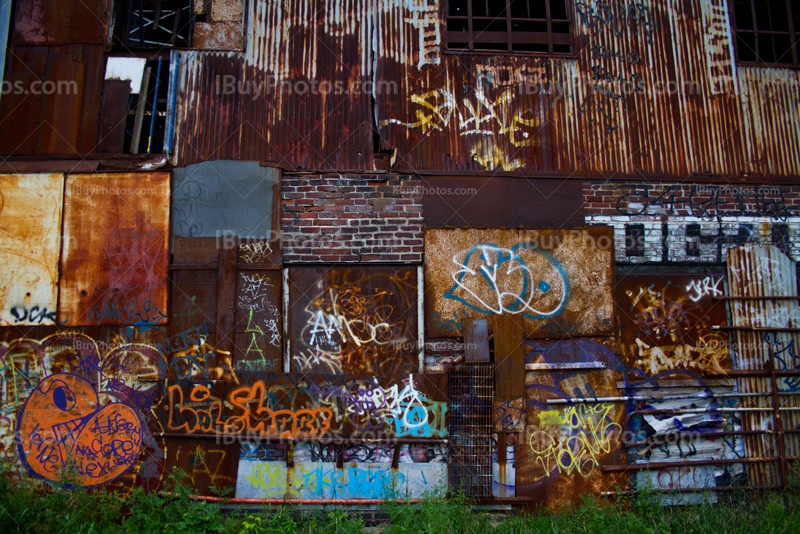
(35, 507)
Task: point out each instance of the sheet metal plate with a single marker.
(353, 320)
(666, 322)
(547, 276)
(30, 226)
(115, 258)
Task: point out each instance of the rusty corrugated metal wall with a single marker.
(655, 92)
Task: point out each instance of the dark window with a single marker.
(153, 23)
(509, 26)
(766, 31)
(634, 240)
(693, 240)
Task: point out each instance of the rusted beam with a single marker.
(476, 340)
(509, 358)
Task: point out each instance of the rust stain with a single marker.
(666, 323)
(115, 257)
(558, 280)
(30, 223)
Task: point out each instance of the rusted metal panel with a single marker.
(653, 89)
(309, 407)
(560, 454)
(195, 251)
(30, 224)
(667, 323)
(53, 22)
(116, 251)
(354, 320)
(301, 104)
(191, 349)
(55, 104)
(476, 340)
(119, 367)
(758, 271)
(509, 357)
(210, 466)
(548, 276)
(259, 326)
(501, 202)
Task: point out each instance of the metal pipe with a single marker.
(760, 297)
(754, 328)
(666, 397)
(712, 435)
(688, 490)
(680, 410)
(236, 437)
(650, 466)
(240, 500)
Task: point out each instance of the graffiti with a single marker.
(103, 436)
(668, 324)
(481, 116)
(620, 18)
(62, 427)
(703, 201)
(611, 88)
(255, 252)
(130, 313)
(450, 325)
(206, 464)
(705, 287)
(354, 322)
(477, 115)
(306, 407)
(512, 285)
(710, 353)
(509, 416)
(785, 358)
(575, 439)
(323, 480)
(34, 315)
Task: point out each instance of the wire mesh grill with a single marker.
(470, 438)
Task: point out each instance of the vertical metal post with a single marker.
(153, 113)
(778, 422)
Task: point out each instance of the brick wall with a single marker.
(692, 222)
(351, 218)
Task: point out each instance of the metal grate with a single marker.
(470, 437)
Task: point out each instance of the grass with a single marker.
(34, 507)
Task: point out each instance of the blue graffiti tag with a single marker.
(493, 257)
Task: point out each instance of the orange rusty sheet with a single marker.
(558, 280)
(30, 226)
(115, 260)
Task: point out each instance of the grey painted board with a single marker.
(223, 197)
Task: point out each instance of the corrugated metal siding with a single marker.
(759, 270)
